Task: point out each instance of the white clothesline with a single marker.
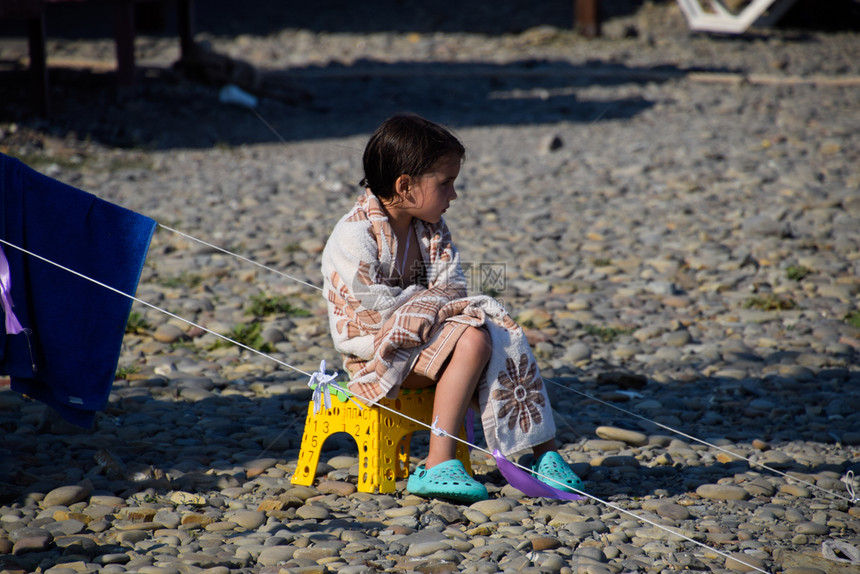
(432, 428)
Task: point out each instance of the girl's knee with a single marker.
(477, 341)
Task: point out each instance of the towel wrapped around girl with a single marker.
(386, 331)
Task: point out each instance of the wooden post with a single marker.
(185, 27)
(38, 63)
(33, 13)
(124, 37)
(586, 15)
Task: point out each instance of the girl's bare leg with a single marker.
(455, 390)
(544, 447)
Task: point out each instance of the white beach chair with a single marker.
(715, 16)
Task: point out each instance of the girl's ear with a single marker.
(401, 186)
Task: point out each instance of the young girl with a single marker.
(398, 312)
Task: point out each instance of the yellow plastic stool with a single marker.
(381, 435)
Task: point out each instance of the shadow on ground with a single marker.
(151, 438)
(230, 18)
(168, 111)
(160, 446)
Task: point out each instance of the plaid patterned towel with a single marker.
(383, 327)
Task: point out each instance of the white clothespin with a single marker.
(434, 428)
(848, 479)
(319, 383)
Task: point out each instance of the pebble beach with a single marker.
(673, 217)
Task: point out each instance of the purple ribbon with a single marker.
(527, 484)
(13, 326)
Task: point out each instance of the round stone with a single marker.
(258, 466)
(113, 558)
(336, 487)
(673, 511)
(741, 562)
(602, 445)
(274, 555)
(542, 543)
(491, 507)
(342, 462)
(313, 511)
(633, 438)
(722, 492)
(813, 528)
(168, 333)
(248, 519)
(65, 496)
(33, 542)
(678, 338)
(475, 516)
(795, 490)
(577, 352)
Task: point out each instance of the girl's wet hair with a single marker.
(405, 144)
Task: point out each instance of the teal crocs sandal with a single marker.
(446, 480)
(550, 465)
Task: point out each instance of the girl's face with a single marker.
(430, 194)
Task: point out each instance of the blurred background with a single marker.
(334, 68)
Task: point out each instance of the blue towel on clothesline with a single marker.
(76, 327)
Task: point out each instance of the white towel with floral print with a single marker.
(384, 327)
(515, 410)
